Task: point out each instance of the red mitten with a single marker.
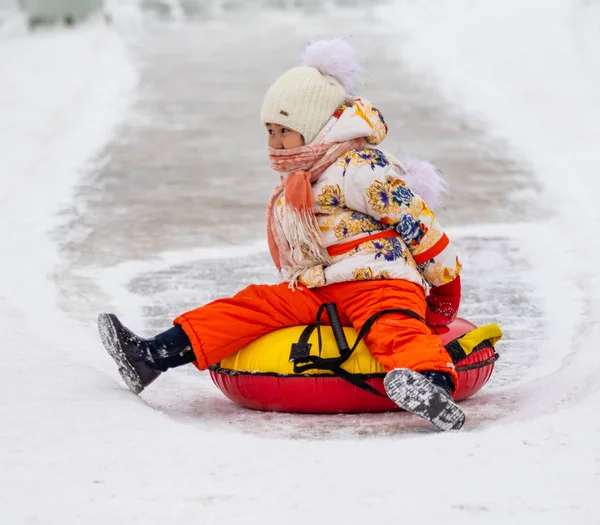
(443, 302)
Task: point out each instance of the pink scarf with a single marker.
(296, 243)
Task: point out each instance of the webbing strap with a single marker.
(301, 353)
(357, 381)
(457, 352)
(481, 364)
(301, 350)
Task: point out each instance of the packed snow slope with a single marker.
(76, 447)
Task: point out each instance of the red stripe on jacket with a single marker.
(345, 247)
(432, 252)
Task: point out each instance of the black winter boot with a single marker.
(141, 361)
(440, 379)
(425, 394)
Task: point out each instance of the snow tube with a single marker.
(260, 376)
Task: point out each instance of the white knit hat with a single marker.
(304, 98)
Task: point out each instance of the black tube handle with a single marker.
(336, 326)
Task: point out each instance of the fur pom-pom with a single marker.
(424, 179)
(336, 58)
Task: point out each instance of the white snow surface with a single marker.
(76, 447)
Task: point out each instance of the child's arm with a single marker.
(373, 187)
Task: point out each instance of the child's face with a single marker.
(283, 138)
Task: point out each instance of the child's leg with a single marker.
(213, 332)
(395, 340)
(405, 346)
(219, 329)
(141, 361)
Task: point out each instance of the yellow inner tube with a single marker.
(271, 353)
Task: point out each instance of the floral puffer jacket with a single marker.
(373, 225)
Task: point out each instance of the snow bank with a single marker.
(62, 94)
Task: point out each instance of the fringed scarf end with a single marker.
(304, 236)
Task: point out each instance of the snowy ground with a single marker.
(77, 131)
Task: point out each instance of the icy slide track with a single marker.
(559, 377)
(565, 371)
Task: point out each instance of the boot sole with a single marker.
(414, 393)
(108, 336)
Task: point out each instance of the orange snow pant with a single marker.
(219, 329)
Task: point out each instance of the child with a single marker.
(343, 226)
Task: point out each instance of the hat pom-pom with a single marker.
(335, 58)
